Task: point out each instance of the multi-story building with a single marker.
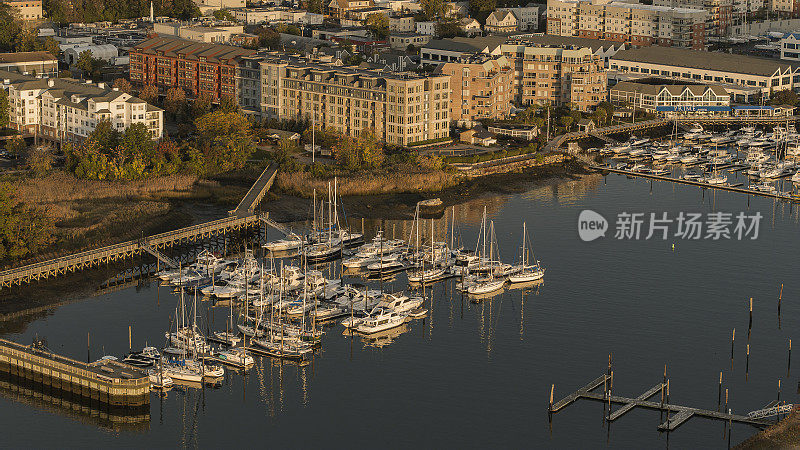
(481, 88)
(26, 9)
(255, 16)
(341, 9)
(767, 75)
(248, 85)
(720, 12)
(527, 16)
(501, 21)
(209, 6)
(790, 47)
(38, 64)
(556, 75)
(402, 24)
(400, 108)
(212, 35)
(198, 68)
(65, 110)
(629, 22)
(401, 41)
(669, 99)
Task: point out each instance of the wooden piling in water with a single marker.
(747, 363)
(789, 359)
(719, 391)
(733, 338)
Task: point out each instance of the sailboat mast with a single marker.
(524, 238)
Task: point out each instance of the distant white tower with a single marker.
(152, 16)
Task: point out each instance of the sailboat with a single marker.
(526, 271)
(328, 248)
(487, 283)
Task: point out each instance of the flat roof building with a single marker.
(39, 64)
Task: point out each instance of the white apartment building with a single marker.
(255, 16)
(628, 21)
(767, 75)
(527, 16)
(65, 110)
(428, 28)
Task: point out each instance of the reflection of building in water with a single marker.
(565, 192)
(73, 407)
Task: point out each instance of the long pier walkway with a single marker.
(677, 415)
(111, 253)
(256, 193)
(738, 189)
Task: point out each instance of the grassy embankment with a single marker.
(784, 434)
(87, 213)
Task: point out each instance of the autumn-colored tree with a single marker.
(40, 160)
(174, 100)
(149, 93)
(201, 105)
(433, 9)
(225, 139)
(23, 230)
(362, 152)
(229, 104)
(123, 85)
(4, 108)
(378, 25)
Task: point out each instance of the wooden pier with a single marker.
(253, 196)
(102, 382)
(117, 252)
(677, 415)
(730, 188)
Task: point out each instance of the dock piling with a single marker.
(719, 391)
(789, 359)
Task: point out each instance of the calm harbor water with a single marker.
(479, 374)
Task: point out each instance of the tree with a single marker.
(123, 85)
(16, 146)
(224, 14)
(23, 230)
(269, 38)
(448, 29)
(567, 121)
(784, 97)
(228, 103)
(362, 152)
(378, 25)
(433, 9)
(480, 9)
(201, 105)
(225, 139)
(4, 114)
(84, 61)
(174, 100)
(40, 160)
(149, 93)
(314, 6)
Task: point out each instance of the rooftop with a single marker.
(21, 57)
(172, 46)
(698, 59)
(564, 41)
(467, 45)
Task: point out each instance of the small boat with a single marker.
(286, 349)
(486, 286)
(236, 357)
(145, 358)
(292, 241)
(159, 379)
(381, 320)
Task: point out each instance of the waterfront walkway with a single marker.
(243, 216)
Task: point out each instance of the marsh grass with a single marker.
(367, 183)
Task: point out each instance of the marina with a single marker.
(454, 339)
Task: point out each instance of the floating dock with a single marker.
(677, 415)
(102, 382)
(696, 183)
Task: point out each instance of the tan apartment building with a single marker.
(720, 12)
(481, 88)
(400, 108)
(556, 75)
(26, 9)
(627, 21)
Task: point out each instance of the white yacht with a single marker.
(381, 320)
(292, 241)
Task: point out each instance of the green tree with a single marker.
(480, 9)
(314, 6)
(269, 38)
(225, 139)
(378, 25)
(567, 121)
(448, 29)
(433, 9)
(201, 105)
(228, 103)
(16, 146)
(40, 160)
(223, 14)
(23, 230)
(784, 97)
(84, 61)
(356, 153)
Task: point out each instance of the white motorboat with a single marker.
(292, 241)
(399, 302)
(380, 321)
(159, 379)
(236, 357)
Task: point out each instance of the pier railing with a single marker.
(111, 253)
